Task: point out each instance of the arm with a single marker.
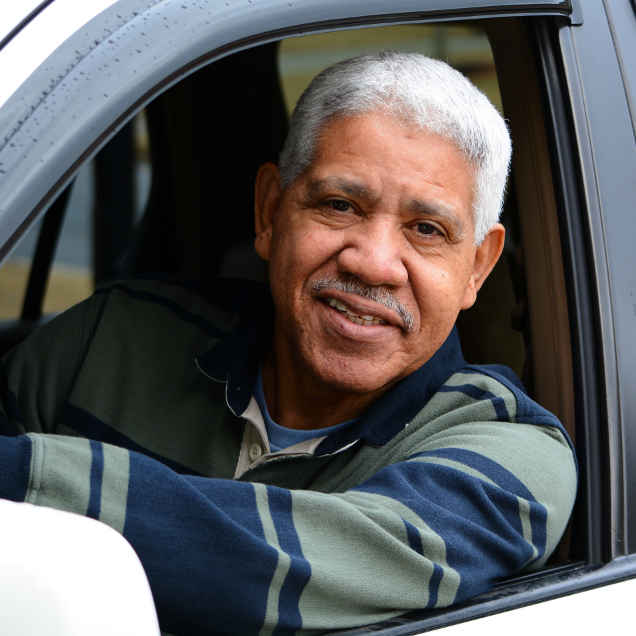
(428, 531)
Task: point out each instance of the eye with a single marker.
(339, 205)
(427, 229)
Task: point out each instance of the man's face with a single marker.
(371, 252)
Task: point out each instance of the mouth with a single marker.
(366, 306)
(364, 312)
(358, 319)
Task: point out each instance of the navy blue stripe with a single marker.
(15, 467)
(434, 583)
(187, 316)
(504, 479)
(280, 506)
(415, 543)
(499, 372)
(413, 537)
(488, 467)
(97, 474)
(481, 394)
(87, 425)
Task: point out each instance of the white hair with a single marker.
(416, 89)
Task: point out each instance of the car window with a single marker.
(194, 158)
(194, 220)
(96, 226)
(172, 196)
(70, 279)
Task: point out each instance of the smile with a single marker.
(356, 318)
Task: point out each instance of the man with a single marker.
(336, 462)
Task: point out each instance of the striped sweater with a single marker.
(135, 408)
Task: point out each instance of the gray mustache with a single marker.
(379, 295)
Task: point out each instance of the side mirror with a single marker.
(66, 575)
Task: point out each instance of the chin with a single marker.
(347, 377)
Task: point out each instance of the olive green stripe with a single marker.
(60, 473)
(115, 487)
(282, 565)
(451, 404)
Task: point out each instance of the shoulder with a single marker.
(483, 414)
(158, 304)
(481, 422)
(488, 393)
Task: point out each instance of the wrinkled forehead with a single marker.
(406, 117)
(343, 131)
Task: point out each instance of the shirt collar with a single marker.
(235, 361)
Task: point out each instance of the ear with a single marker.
(486, 256)
(267, 193)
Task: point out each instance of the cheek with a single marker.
(294, 257)
(305, 250)
(439, 290)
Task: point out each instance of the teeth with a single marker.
(359, 320)
(337, 305)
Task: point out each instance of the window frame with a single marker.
(599, 221)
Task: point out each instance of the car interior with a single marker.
(203, 139)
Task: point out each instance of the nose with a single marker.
(373, 252)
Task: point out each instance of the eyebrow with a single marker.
(441, 211)
(317, 187)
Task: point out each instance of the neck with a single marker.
(302, 401)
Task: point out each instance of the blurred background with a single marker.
(71, 278)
